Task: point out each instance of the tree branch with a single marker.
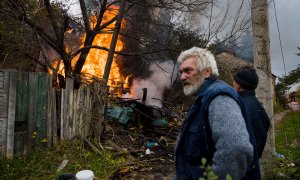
(119, 52)
(84, 15)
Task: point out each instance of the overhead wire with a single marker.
(279, 36)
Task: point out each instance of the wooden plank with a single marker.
(81, 125)
(3, 136)
(80, 113)
(53, 117)
(58, 113)
(11, 115)
(31, 109)
(86, 119)
(4, 93)
(22, 97)
(88, 112)
(21, 118)
(42, 101)
(19, 142)
(66, 112)
(49, 111)
(3, 104)
(4, 84)
(71, 134)
(62, 117)
(38, 109)
(76, 111)
(4, 80)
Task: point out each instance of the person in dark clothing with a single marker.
(292, 97)
(215, 128)
(245, 82)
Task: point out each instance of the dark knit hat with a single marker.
(246, 78)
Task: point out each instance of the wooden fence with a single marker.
(33, 113)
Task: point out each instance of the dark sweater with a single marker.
(258, 117)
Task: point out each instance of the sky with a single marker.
(288, 16)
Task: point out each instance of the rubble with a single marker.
(148, 148)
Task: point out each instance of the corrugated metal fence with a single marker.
(33, 113)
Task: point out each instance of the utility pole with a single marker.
(262, 64)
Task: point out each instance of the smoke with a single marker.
(163, 75)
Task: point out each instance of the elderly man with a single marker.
(215, 128)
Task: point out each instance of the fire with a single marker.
(96, 59)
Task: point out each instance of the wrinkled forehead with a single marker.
(188, 62)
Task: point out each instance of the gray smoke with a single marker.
(163, 75)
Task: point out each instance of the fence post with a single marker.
(11, 115)
(66, 111)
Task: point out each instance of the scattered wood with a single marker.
(62, 165)
(94, 148)
(115, 146)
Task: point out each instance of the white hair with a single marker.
(205, 59)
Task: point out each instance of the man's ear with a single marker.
(236, 86)
(207, 72)
(239, 88)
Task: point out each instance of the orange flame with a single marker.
(96, 59)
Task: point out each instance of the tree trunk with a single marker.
(90, 36)
(261, 45)
(114, 41)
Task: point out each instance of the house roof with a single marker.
(228, 63)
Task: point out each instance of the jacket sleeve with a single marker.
(233, 148)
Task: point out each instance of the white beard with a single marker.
(191, 89)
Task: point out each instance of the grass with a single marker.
(43, 163)
(288, 144)
(277, 107)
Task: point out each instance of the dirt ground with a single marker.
(149, 151)
(279, 116)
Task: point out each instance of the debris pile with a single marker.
(145, 136)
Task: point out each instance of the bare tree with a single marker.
(151, 34)
(222, 19)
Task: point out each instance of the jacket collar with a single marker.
(208, 81)
(247, 93)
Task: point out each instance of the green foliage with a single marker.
(285, 81)
(24, 24)
(288, 143)
(18, 43)
(43, 163)
(208, 172)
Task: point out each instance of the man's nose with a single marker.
(183, 77)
